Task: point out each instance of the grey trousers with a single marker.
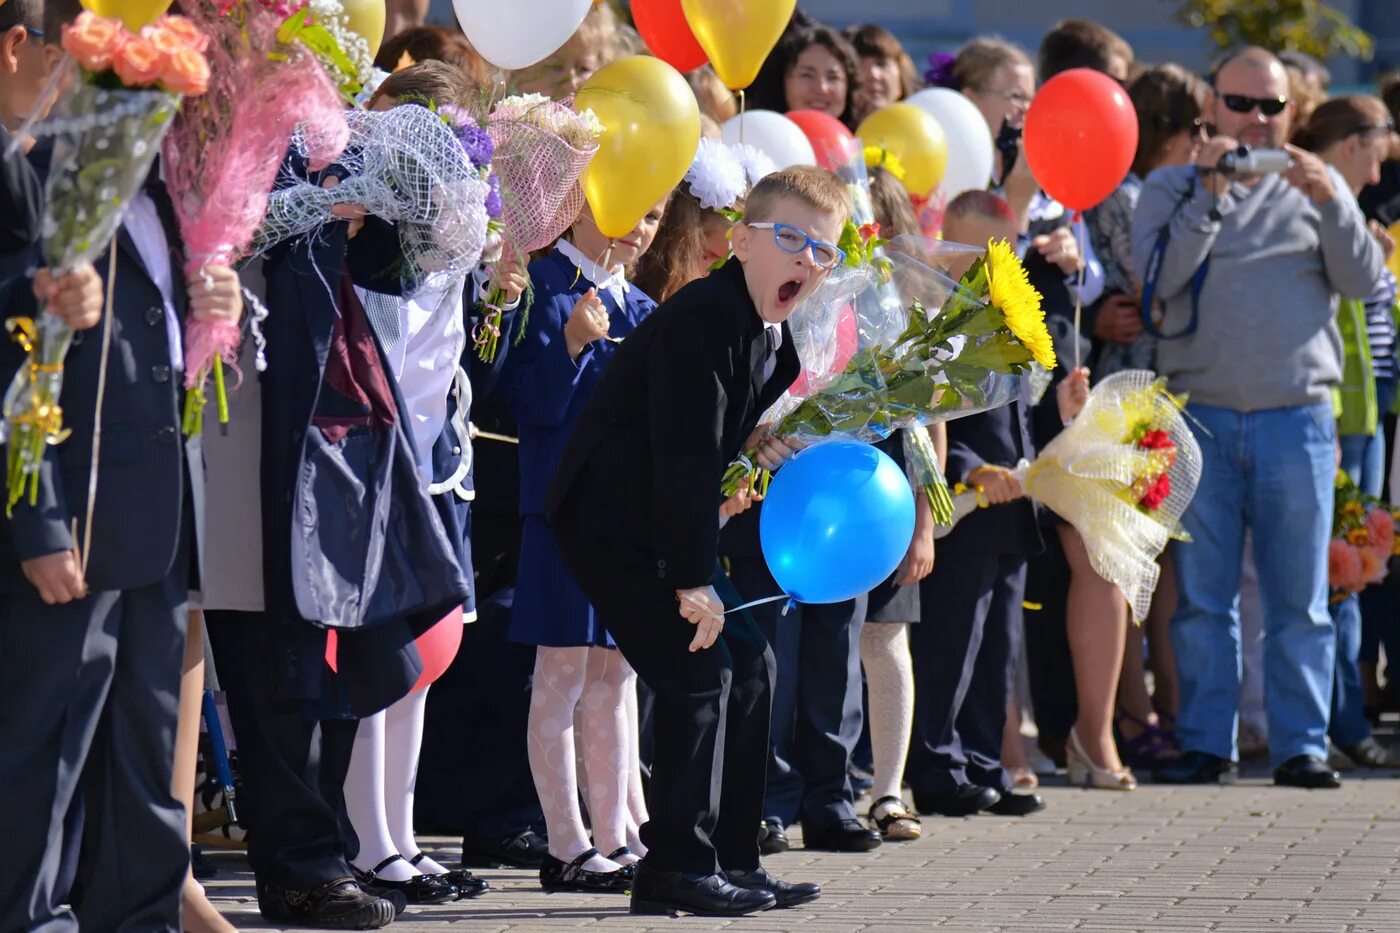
(89, 694)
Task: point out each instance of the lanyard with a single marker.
(1154, 271)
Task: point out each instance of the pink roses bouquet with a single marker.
(1363, 540)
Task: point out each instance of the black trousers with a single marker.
(89, 695)
(711, 712)
(962, 652)
(293, 768)
(817, 713)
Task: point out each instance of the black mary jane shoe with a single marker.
(556, 875)
(467, 884)
(629, 867)
(420, 889)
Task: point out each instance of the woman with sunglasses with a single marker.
(1168, 101)
(1354, 135)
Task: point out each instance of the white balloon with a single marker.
(772, 134)
(525, 33)
(970, 148)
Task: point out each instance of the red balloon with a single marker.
(438, 646)
(1081, 135)
(664, 29)
(831, 141)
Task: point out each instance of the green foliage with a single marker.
(1312, 26)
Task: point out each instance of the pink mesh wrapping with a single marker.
(539, 172)
(222, 156)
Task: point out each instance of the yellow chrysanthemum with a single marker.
(880, 157)
(1358, 537)
(1354, 510)
(1011, 293)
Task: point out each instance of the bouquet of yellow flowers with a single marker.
(927, 349)
(1122, 473)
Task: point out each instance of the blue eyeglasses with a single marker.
(36, 33)
(794, 240)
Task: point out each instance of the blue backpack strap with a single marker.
(1154, 271)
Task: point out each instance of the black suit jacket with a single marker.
(683, 393)
(141, 489)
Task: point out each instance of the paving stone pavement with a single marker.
(1227, 859)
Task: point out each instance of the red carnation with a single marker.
(1156, 440)
(1156, 493)
(869, 232)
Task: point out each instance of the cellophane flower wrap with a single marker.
(405, 166)
(1363, 541)
(542, 147)
(897, 343)
(222, 156)
(121, 96)
(1123, 472)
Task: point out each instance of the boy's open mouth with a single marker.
(787, 291)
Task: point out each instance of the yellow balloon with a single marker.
(738, 34)
(651, 129)
(914, 138)
(1395, 256)
(133, 13)
(367, 19)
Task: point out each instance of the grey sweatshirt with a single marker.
(1267, 334)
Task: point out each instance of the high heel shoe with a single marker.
(1084, 773)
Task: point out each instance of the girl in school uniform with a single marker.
(583, 308)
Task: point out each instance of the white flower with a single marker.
(716, 177)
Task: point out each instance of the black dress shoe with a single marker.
(203, 867)
(1198, 768)
(845, 836)
(420, 889)
(772, 837)
(672, 892)
(467, 884)
(1306, 771)
(339, 905)
(555, 875)
(522, 850)
(788, 893)
(1017, 805)
(1368, 753)
(963, 800)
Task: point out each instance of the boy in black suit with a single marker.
(680, 401)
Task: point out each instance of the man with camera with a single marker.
(1247, 251)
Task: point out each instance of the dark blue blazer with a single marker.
(1001, 437)
(545, 389)
(138, 518)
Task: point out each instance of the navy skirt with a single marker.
(550, 610)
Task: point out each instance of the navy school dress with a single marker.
(546, 391)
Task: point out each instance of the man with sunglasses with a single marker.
(1248, 270)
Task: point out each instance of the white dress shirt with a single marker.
(432, 336)
(603, 280)
(143, 225)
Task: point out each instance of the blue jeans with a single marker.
(1363, 458)
(1273, 471)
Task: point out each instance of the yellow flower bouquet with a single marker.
(926, 348)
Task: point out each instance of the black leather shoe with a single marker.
(788, 893)
(339, 905)
(1198, 768)
(1306, 771)
(672, 892)
(964, 800)
(420, 889)
(467, 884)
(845, 836)
(555, 875)
(522, 850)
(772, 837)
(1017, 805)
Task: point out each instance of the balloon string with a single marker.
(757, 602)
(743, 99)
(1078, 221)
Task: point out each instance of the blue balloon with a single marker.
(836, 522)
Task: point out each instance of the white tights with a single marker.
(379, 788)
(889, 678)
(587, 688)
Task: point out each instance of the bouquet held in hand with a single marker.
(107, 127)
